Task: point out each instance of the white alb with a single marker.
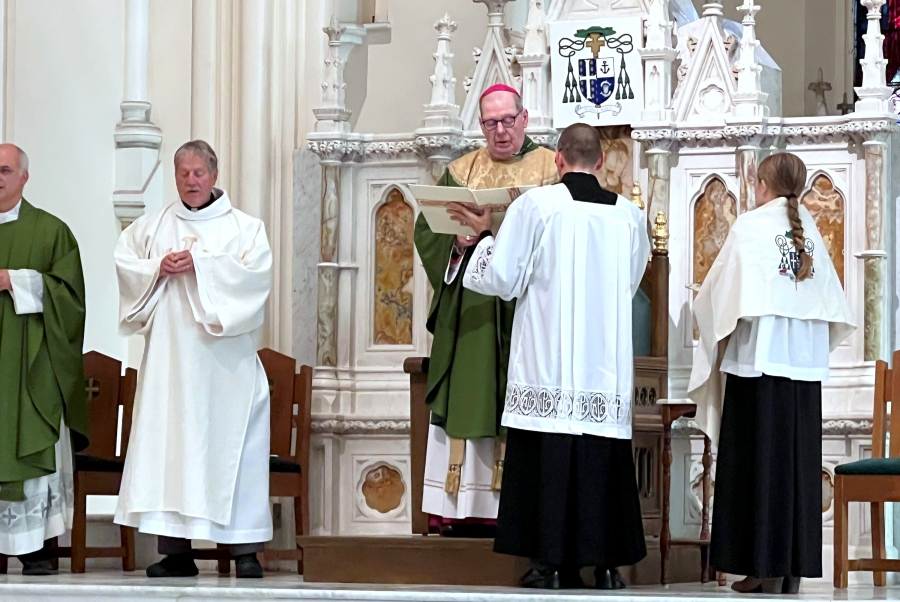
(198, 459)
(574, 267)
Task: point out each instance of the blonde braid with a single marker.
(785, 176)
(806, 262)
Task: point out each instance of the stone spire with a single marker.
(874, 92)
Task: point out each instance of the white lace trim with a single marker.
(581, 406)
(482, 262)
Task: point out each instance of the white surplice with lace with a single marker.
(574, 268)
(198, 459)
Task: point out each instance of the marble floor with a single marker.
(113, 585)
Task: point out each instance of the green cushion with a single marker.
(872, 466)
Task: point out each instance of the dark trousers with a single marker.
(570, 501)
(176, 545)
(767, 515)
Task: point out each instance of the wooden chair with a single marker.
(98, 471)
(288, 472)
(875, 480)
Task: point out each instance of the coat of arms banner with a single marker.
(597, 75)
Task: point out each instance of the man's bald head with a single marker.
(13, 175)
(581, 146)
(10, 153)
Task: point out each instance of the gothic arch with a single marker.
(715, 208)
(714, 211)
(394, 260)
(827, 204)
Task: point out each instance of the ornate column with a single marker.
(327, 303)
(332, 115)
(492, 66)
(873, 95)
(658, 146)
(535, 64)
(874, 255)
(752, 137)
(441, 131)
(659, 173)
(138, 184)
(751, 111)
(874, 92)
(749, 99)
(747, 162)
(333, 121)
(658, 55)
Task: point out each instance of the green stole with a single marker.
(41, 365)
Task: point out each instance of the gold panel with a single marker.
(383, 489)
(714, 213)
(826, 204)
(394, 227)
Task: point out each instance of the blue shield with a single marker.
(597, 79)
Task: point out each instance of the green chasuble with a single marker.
(470, 351)
(41, 365)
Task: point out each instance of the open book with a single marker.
(433, 202)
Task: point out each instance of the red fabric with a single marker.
(499, 88)
(892, 39)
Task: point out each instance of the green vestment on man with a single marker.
(472, 332)
(41, 365)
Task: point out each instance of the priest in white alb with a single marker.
(193, 280)
(573, 256)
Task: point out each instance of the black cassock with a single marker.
(767, 516)
(571, 500)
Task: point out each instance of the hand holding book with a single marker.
(439, 205)
(476, 218)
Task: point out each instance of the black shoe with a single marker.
(174, 565)
(37, 568)
(246, 566)
(791, 585)
(608, 579)
(540, 579)
(570, 578)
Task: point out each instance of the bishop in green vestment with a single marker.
(470, 350)
(42, 392)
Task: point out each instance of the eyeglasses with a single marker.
(508, 122)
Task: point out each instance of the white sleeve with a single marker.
(452, 267)
(27, 291)
(228, 293)
(502, 267)
(140, 287)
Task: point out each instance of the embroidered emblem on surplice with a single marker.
(790, 258)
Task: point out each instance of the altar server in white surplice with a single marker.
(193, 280)
(573, 256)
(769, 312)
